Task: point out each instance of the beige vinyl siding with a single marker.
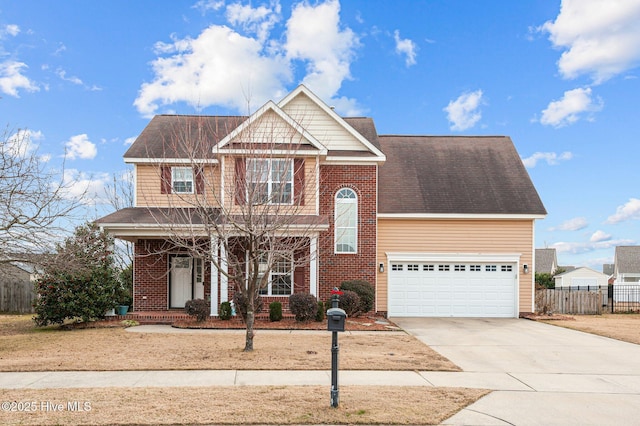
(456, 236)
(310, 190)
(321, 125)
(270, 129)
(148, 188)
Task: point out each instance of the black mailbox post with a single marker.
(336, 319)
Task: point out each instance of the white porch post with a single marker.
(313, 266)
(214, 277)
(224, 280)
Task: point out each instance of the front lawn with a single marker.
(624, 327)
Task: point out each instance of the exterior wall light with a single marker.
(381, 267)
(525, 268)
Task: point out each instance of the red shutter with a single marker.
(165, 179)
(298, 181)
(199, 177)
(241, 173)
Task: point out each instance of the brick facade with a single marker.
(336, 268)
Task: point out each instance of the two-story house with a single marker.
(441, 226)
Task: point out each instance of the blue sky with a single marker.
(559, 77)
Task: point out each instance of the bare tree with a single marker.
(119, 194)
(249, 207)
(36, 205)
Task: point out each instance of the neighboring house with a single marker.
(546, 261)
(581, 277)
(441, 226)
(626, 265)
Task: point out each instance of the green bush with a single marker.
(350, 302)
(303, 306)
(320, 312)
(198, 308)
(275, 311)
(225, 311)
(79, 281)
(365, 291)
(241, 302)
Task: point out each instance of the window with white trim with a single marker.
(270, 180)
(281, 274)
(182, 180)
(346, 221)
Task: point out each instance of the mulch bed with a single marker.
(365, 323)
(554, 317)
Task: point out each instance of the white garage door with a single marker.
(441, 289)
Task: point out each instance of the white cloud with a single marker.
(129, 141)
(10, 29)
(568, 110)
(463, 113)
(243, 68)
(575, 224)
(22, 143)
(71, 79)
(259, 21)
(314, 36)
(80, 146)
(599, 236)
(85, 188)
(628, 211)
(551, 158)
(234, 74)
(206, 5)
(585, 247)
(405, 47)
(12, 79)
(599, 38)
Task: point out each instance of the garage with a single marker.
(452, 289)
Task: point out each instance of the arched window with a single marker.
(346, 221)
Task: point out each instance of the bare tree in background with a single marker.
(36, 204)
(119, 194)
(255, 222)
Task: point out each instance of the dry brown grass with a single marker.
(25, 348)
(246, 405)
(624, 327)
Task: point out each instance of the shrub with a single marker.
(198, 308)
(225, 311)
(350, 302)
(320, 312)
(275, 311)
(365, 291)
(241, 303)
(304, 306)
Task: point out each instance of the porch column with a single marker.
(313, 266)
(215, 246)
(224, 280)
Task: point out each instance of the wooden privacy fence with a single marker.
(16, 296)
(566, 301)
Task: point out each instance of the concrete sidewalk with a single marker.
(586, 384)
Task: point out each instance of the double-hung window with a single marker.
(281, 274)
(346, 221)
(270, 181)
(182, 180)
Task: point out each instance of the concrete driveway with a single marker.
(540, 374)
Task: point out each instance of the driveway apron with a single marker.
(565, 377)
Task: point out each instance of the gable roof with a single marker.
(161, 138)
(439, 175)
(263, 111)
(546, 260)
(627, 259)
(582, 271)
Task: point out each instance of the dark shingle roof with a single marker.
(162, 136)
(546, 260)
(627, 259)
(459, 175)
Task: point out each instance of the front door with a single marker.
(180, 281)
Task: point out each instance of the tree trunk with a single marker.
(248, 346)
